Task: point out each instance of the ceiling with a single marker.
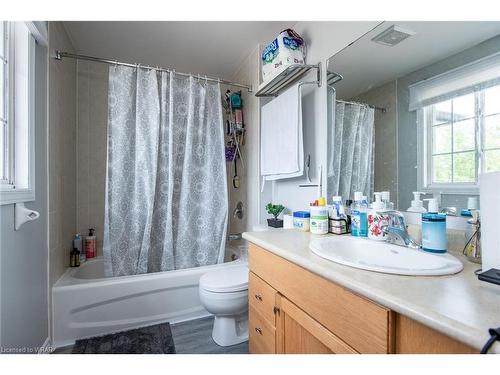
(204, 47)
(366, 65)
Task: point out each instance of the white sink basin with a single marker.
(383, 257)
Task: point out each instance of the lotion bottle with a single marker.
(377, 219)
(417, 205)
(434, 237)
(90, 244)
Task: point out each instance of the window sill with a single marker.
(11, 196)
(451, 190)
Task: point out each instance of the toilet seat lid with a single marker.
(230, 279)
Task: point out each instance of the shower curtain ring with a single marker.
(206, 80)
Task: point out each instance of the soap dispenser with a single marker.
(434, 229)
(417, 205)
(377, 219)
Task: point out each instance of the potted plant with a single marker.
(275, 210)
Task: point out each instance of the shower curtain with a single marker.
(166, 196)
(351, 164)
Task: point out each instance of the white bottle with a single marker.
(377, 219)
(386, 198)
(417, 205)
(337, 207)
(319, 219)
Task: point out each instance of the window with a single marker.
(463, 138)
(458, 114)
(16, 113)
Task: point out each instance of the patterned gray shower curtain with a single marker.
(166, 196)
(351, 163)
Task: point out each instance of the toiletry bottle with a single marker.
(417, 205)
(78, 244)
(359, 222)
(386, 198)
(90, 244)
(364, 216)
(74, 258)
(434, 229)
(319, 217)
(338, 219)
(377, 219)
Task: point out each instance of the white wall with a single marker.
(323, 40)
(23, 253)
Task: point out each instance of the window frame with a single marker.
(425, 156)
(9, 192)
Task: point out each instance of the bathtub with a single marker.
(85, 303)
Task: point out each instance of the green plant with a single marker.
(274, 209)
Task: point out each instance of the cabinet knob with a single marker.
(258, 297)
(258, 330)
(276, 310)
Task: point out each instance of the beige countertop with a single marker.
(459, 306)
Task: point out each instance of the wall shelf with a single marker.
(288, 76)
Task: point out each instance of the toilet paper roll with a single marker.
(490, 222)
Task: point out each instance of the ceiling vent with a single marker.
(392, 36)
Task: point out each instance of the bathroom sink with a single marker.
(383, 257)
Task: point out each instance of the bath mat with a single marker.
(155, 339)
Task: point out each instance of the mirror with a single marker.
(415, 106)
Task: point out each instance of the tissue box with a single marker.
(287, 49)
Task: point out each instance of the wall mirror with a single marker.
(415, 106)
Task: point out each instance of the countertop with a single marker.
(459, 306)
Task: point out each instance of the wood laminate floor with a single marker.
(192, 337)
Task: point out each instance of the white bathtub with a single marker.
(85, 303)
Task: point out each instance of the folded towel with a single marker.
(282, 146)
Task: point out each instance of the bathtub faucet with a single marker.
(234, 236)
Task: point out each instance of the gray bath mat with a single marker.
(156, 339)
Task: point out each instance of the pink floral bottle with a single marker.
(377, 219)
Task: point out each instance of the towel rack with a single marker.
(288, 76)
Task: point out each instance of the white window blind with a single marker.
(474, 76)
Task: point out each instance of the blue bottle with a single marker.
(434, 229)
(359, 218)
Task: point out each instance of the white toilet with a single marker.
(224, 293)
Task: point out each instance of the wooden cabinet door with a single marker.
(298, 333)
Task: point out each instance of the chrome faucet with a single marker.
(396, 231)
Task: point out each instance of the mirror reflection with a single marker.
(414, 110)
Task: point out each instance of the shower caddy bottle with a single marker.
(90, 244)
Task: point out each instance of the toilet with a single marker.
(224, 293)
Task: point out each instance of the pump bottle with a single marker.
(434, 229)
(377, 219)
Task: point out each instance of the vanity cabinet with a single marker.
(292, 310)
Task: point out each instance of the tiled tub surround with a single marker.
(61, 155)
(459, 306)
(91, 146)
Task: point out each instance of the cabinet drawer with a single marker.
(262, 297)
(261, 334)
(302, 334)
(362, 324)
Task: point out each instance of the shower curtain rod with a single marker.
(383, 110)
(61, 54)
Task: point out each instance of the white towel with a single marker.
(282, 146)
